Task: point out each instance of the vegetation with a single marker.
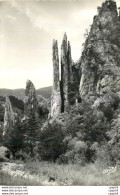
(51, 144)
(81, 135)
(14, 140)
(39, 173)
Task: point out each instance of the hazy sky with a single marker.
(27, 29)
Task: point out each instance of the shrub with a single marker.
(101, 153)
(76, 151)
(114, 144)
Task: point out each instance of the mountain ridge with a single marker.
(20, 93)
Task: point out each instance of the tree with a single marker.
(14, 139)
(51, 144)
(30, 128)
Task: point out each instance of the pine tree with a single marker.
(30, 128)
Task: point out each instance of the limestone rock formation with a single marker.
(56, 96)
(100, 61)
(70, 76)
(66, 87)
(64, 74)
(98, 70)
(9, 117)
(30, 99)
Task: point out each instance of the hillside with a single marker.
(45, 92)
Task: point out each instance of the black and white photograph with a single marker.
(59, 93)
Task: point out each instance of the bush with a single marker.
(101, 153)
(114, 144)
(76, 151)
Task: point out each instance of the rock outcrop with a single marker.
(4, 154)
(100, 61)
(9, 117)
(66, 86)
(31, 103)
(65, 74)
(56, 96)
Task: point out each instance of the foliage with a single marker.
(107, 104)
(16, 102)
(1, 132)
(114, 144)
(51, 144)
(76, 151)
(102, 154)
(83, 126)
(43, 110)
(13, 140)
(78, 136)
(87, 123)
(30, 128)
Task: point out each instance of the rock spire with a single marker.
(62, 85)
(56, 96)
(30, 99)
(64, 73)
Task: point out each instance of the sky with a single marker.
(27, 30)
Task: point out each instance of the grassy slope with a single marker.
(90, 175)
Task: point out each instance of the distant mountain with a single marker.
(20, 93)
(45, 92)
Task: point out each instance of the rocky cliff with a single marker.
(11, 108)
(100, 61)
(9, 117)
